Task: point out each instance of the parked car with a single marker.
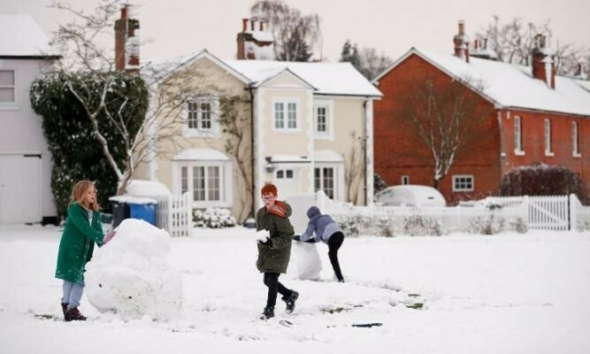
(410, 195)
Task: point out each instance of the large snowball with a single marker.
(131, 275)
(305, 263)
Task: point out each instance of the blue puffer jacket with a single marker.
(323, 226)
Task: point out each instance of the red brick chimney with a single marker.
(461, 41)
(254, 43)
(127, 41)
(543, 64)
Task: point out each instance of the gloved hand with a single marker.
(262, 236)
(109, 236)
(311, 240)
(297, 238)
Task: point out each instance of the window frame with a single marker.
(547, 137)
(13, 87)
(200, 131)
(184, 181)
(518, 136)
(576, 139)
(463, 189)
(286, 118)
(328, 105)
(322, 181)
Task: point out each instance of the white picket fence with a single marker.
(494, 214)
(174, 214)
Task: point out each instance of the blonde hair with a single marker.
(78, 193)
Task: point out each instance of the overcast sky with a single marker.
(178, 27)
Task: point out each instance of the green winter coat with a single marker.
(273, 257)
(77, 243)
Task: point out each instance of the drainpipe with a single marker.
(250, 89)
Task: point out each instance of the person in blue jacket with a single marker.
(327, 231)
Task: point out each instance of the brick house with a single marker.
(531, 116)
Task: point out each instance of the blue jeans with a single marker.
(72, 293)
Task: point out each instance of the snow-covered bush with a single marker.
(213, 218)
(416, 225)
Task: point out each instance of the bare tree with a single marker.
(513, 42)
(354, 166)
(296, 36)
(446, 119)
(365, 60)
(169, 90)
(235, 122)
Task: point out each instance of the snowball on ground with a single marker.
(131, 275)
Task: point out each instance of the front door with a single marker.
(20, 188)
(287, 182)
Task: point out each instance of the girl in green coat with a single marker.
(83, 229)
(274, 250)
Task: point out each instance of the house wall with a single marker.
(399, 151)
(348, 118)
(22, 132)
(204, 74)
(533, 141)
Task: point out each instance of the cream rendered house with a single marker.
(302, 126)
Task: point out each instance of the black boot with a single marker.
(74, 315)
(64, 308)
(290, 300)
(269, 312)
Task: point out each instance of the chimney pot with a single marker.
(244, 24)
(253, 24)
(461, 27)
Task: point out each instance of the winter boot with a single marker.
(74, 315)
(290, 300)
(269, 312)
(64, 308)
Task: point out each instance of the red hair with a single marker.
(269, 188)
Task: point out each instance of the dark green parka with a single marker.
(77, 243)
(273, 257)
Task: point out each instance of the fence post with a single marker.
(573, 212)
(188, 214)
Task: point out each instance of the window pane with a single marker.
(193, 114)
(184, 179)
(199, 183)
(575, 138)
(292, 117)
(205, 115)
(328, 182)
(280, 174)
(7, 95)
(321, 115)
(289, 173)
(7, 78)
(213, 183)
(317, 182)
(279, 116)
(517, 134)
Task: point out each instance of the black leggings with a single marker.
(272, 281)
(334, 243)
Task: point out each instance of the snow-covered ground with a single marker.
(507, 293)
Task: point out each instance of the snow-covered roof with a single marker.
(200, 155)
(327, 78)
(20, 35)
(143, 188)
(327, 156)
(509, 85)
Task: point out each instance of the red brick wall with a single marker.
(398, 150)
(533, 137)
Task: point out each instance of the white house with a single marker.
(25, 162)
